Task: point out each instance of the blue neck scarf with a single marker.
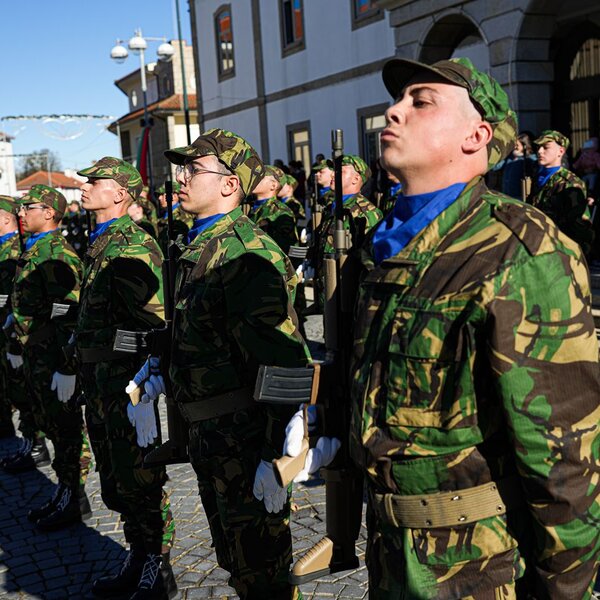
(323, 191)
(165, 215)
(410, 215)
(345, 199)
(99, 230)
(201, 225)
(395, 189)
(544, 173)
(7, 236)
(284, 199)
(258, 203)
(32, 239)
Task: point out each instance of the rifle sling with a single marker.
(217, 406)
(449, 509)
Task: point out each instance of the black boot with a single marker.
(36, 514)
(66, 511)
(157, 581)
(127, 580)
(32, 455)
(84, 504)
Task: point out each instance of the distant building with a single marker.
(164, 98)
(67, 183)
(8, 182)
(284, 73)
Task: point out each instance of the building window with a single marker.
(224, 40)
(371, 122)
(291, 13)
(126, 145)
(299, 143)
(365, 12)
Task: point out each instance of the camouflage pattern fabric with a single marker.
(564, 199)
(85, 458)
(124, 173)
(388, 201)
(150, 212)
(233, 312)
(147, 226)
(50, 271)
(232, 150)
(74, 229)
(551, 135)
(296, 207)
(277, 220)
(358, 164)
(475, 359)
(182, 222)
(44, 194)
(122, 288)
(12, 390)
(484, 91)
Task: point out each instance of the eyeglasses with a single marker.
(27, 207)
(190, 170)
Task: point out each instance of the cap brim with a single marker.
(542, 140)
(399, 71)
(178, 156)
(94, 172)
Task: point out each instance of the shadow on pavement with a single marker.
(56, 565)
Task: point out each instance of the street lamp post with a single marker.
(138, 45)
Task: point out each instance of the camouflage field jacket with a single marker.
(122, 285)
(234, 312)
(277, 220)
(475, 359)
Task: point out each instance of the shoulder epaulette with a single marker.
(247, 235)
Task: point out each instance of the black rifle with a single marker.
(329, 388)
(526, 179)
(158, 344)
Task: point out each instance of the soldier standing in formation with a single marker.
(49, 274)
(286, 195)
(323, 171)
(122, 288)
(74, 227)
(233, 301)
(475, 371)
(182, 221)
(275, 218)
(559, 193)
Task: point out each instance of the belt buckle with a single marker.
(388, 508)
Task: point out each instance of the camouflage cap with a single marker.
(232, 150)
(275, 172)
(162, 189)
(359, 165)
(551, 135)
(485, 93)
(289, 180)
(46, 195)
(323, 164)
(124, 173)
(8, 204)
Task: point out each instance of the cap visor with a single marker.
(178, 156)
(399, 71)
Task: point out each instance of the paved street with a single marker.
(63, 564)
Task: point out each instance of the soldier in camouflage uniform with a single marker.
(12, 388)
(323, 171)
(286, 195)
(475, 379)
(74, 228)
(182, 221)
(149, 209)
(233, 312)
(122, 288)
(360, 214)
(559, 193)
(48, 275)
(136, 212)
(270, 214)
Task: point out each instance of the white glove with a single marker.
(15, 360)
(142, 417)
(303, 236)
(10, 321)
(64, 386)
(267, 489)
(319, 456)
(294, 432)
(149, 375)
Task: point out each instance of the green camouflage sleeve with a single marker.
(263, 324)
(544, 357)
(281, 228)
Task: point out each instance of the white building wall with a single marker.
(8, 181)
(244, 123)
(330, 44)
(241, 87)
(333, 107)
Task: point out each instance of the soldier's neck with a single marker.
(115, 211)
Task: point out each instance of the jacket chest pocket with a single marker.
(429, 370)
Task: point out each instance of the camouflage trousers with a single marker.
(254, 546)
(13, 392)
(127, 486)
(62, 422)
(474, 562)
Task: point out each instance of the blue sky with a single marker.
(56, 60)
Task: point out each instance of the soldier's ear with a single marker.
(479, 137)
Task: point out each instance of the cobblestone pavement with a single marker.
(63, 564)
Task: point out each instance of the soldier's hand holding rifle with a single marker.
(144, 389)
(15, 360)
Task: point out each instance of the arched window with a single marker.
(224, 41)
